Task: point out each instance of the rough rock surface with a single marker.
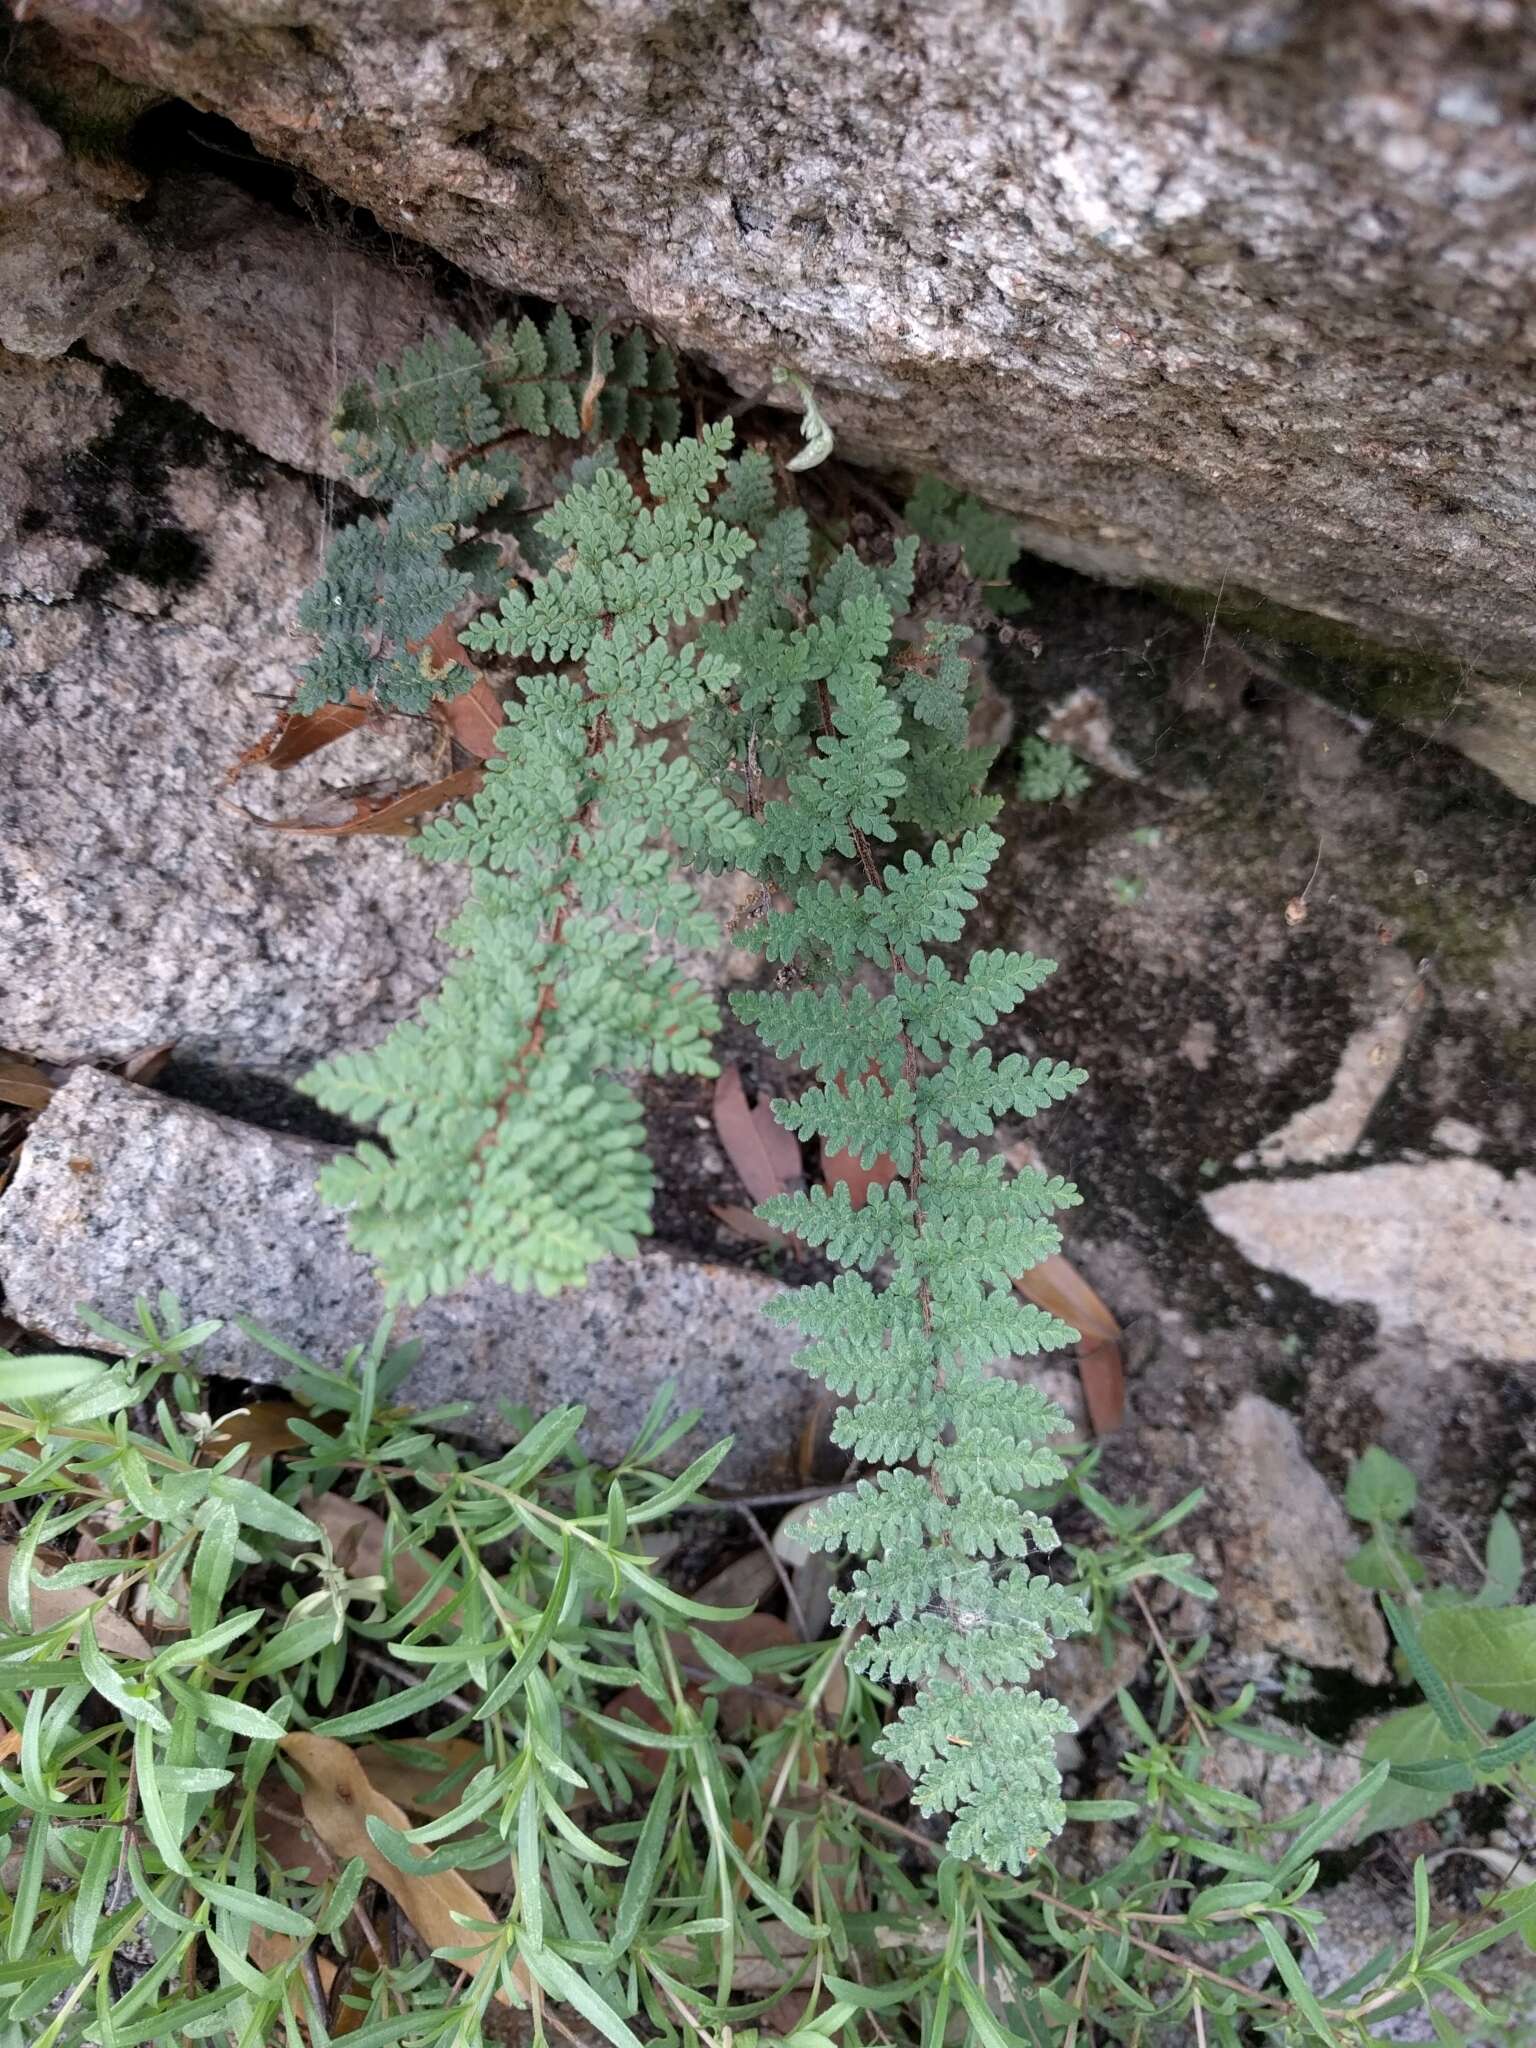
(65, 259)
(119, 1189)
(258, 320)
(1230, 295)
(1447, 1248)
(148, 580)
(1285, 1542)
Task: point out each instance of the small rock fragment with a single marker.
(1286, 1543)
(1447, 1246)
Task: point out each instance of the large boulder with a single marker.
(1234, 296)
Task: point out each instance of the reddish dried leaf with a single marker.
(357, 1536)
(383, 816)
(1101, 1369)
(593, 392)
(338, 1797)
(474, 719)
(262, 1429)
(23, 1082)
(846, 1168)
(765, 1155)
(1056, 1286)
(147, 1066)
(738, 1218)
(298, 734)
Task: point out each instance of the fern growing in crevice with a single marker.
(827, 746)
(429, 440)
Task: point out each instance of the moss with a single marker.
(92, 112)
(1331, 658)
(1448, 925)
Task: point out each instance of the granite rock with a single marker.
(151, 575)
(259, 320)
(120, 1191)
(1234, 296)
(1284, 1544)
(1444, 1247)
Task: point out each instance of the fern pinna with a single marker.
(429, 442)
(818, 738)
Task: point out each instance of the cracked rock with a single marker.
(1285, 1544)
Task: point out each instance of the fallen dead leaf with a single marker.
(23, 1082)
(338, 1798)
(281, 1832)
(262, 1428)
(738, 1218)
(433, 1789)
(269, 1951)
(10, 1744)
(474, 719)
(1056, 1286)
(847, 1170)
(298, 734)
(146, 1067)
(594, 390)
(381, 816)
(454, 1759)
(50, 1604)
(765, 1154)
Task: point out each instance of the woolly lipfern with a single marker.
(824, 748)
(513, 1150)
(425, 440)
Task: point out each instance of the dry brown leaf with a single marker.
(281, 1832)
(846, 1168)
(1056, 1286)
(765, 1155)
(381, 816)
(738, 1218)
(262, 1428)
(594, 390)
(474, 719)
(418, 1785)
(51, 1604)
(338, 1798)
(146, 1067)
(357, 1539)
(269, 1951)
(1101, 1368)
(298, 734)
(23, 1082)
(10, 1744)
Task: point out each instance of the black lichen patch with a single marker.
(114, 492)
